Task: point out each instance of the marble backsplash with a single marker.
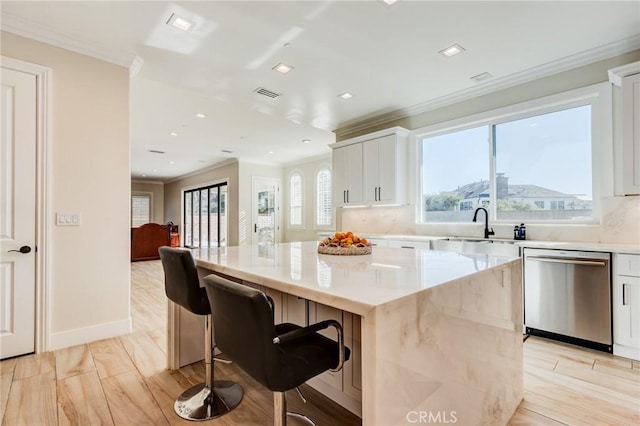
(620, 223)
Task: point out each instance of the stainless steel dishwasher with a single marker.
(567, 296)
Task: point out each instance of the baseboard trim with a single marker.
(79, 336)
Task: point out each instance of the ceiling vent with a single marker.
(156, 151)
(266, 92)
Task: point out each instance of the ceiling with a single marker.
(386, 55)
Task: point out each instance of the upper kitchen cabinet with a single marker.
(347, 175)
(371, 169)
(627, 79)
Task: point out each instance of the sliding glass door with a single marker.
(205, 216)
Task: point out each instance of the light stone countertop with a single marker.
(561, 245)
(352, 283)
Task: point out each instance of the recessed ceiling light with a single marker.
(201, 115)
(172, 162)
(306, 141)
(481, 77)
(452, 50)
(155, 170)
(173, 133)
(345, 95)
(389, 2)
(179, 22)
(270, 152)
(283, 68)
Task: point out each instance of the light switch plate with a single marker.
(68, 219)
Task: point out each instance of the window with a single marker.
(513, 167)
(295, 200)
(205, 216)
(323, 200)
(140, 209)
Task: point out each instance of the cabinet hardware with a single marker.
(624, 295)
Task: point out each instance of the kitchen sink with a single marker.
(495, 247)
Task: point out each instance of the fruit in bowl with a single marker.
(344, 243)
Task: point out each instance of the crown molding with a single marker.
(152, 182)
(25, 28)
(570, 62)
(217, 165)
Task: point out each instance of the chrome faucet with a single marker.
(487, 232)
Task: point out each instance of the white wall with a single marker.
(308, 169)
(156, 190)
(89, 276)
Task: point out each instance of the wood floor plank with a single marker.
(165, 388)
(615, 369)
(159, 337)
(32, 401)
(81, 401)
(110, 357)
(34, 365)
(8, 365)
(146, 355)
(5, 388)
(526, 417)
(578, 399)
(73, 360)
(131, 401)
(607, 383)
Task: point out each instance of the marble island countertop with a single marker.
(352, 283)
(562, 245)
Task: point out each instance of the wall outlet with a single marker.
(68, 219)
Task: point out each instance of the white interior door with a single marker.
(266, 210)
(18, 213)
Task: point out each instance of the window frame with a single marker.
(597, 96)
(318, 226)
(301, 225)
(149, 195)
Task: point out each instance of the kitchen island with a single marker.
(440, 334)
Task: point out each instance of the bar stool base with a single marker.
(202, 403)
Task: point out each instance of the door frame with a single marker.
(43, 197)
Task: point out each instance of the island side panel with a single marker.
(449, 354)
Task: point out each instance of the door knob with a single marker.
(23, 250)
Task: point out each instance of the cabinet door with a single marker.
(347, 175)
(321, 313)
(352, 371)
(387, 169)
(627, 324)
(631, 134)
(296, 310)
(380, 170)
(371, 166)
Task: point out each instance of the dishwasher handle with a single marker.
(570, 261)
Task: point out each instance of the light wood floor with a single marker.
(124, 381)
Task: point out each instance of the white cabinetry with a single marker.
(626, 308)
(626, 80)
(631, 134)
(347, 175)
(371, 169)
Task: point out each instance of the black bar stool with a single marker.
(213, 398)
(280, 357)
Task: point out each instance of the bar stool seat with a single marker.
(212, 398)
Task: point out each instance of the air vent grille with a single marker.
(155, 151)
(266, 92)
